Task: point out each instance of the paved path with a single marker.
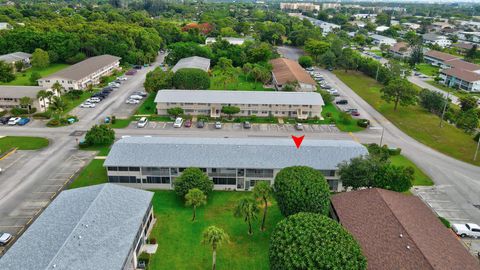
(423, 84)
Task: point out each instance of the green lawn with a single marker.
(179, 239)
(421, 179)
(103, 150)
(73, 103)
(427, 69)
(413, 120)
(242, 84)
(93, 174)
(22, 143)
(121, 123)
(148, 106)
(346, 127)
(23, 78)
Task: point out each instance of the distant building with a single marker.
(15, 57)
(463, 46)
(365, 16)
(381, 28)
(401, 50)
(5, 26)
(331, 6)
(299, 6)
(411, 26)
(231, 163)
(231, 40)
(438, 26)
(209, 103)
(469, 36)
(470, 24)
(286, 71)
(10, 96)
(379, 40)
(193, 62)
(325, 26)
(398, 231)
(435, 39)
(82, 74)
(97, 227)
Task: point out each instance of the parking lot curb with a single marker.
(10, 152)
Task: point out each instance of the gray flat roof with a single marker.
(14, 57)
(17, 91)
(380, 37)
(193, 62)
(272, 153)
(239, 97)
(85, 228)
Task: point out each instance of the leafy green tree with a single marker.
(316, 48)
(432, 101)
(305, 61)
(247, 209)
(43, 95)
(395, 178)
(19, 65)
(26, 102)
(57, 88)
(57, 106)
(347, 60)
(224, 63)
(195, 198)
(158, 79)
(6, 72)
(40, 58)
(467, 120)
(399, 91)
(263, 191)
(175, 111)
(468, 103)
(191, 78)
(301, 189)
(230, 110)
(383, 19)
(192, 178)
(214, 236)
(179, 50)
(314, 241)
(358, 172)
(100, 135)
(34, 77)
(472, 53)
(417, 55)
(328, 59)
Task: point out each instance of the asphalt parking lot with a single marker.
(16, 221)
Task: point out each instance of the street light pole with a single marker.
(444, 108)
(476, 151)
(381, 138)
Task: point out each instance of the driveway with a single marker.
(423, 84)
(290, 52)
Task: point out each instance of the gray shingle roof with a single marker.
(239, 97)
(84, 228)
(231, 152)
(86, 67)
(14, 57)
(16, 91)
(193, 62)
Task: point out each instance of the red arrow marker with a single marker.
(298, 140)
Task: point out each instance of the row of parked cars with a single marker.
(179, 122)
(99, 96)
(135, 97)
(12, 121)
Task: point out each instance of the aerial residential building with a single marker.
(439, 26)
(379, 40)
(398, 231)
(301, 105)
(462, 75)
(434, 39)
(330, 6)
(231, 163)
(193, 62)
(325, 26)
(437, 58)
(10, 97)
(15, 57)
(286, 71)
(365, 16)
(469, 36)
(97, 227)
(82, 74)
(299, 6)
(401, 50)
(231, 40)
(411, 26)
(381, 28)
(463, 47)
(470, 24)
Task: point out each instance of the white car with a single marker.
(467, 229)
(87, 105)
(93, 100)
(178, 122)
(142, 122)
(5, 238)
(136, 97)
(114, 84)
(122, 78)
(132, 101)
(13, 121)
(218, 125)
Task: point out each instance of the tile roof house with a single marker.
(287, 71)
(193, 62)
(398, 231)
(437, 58)
(96, 227)
(401, 49)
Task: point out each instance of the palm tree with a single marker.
(57, 88)
(262, 190)
(43, 95)
(248, 209)
(26, 102)
(195, 197)
(57, 105)
(214, 236)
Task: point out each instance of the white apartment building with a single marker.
(299, 6)
(435, 39)
(379, 40)
(82, 74)
(301, 105)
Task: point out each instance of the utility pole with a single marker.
(476, 151)
(376, 76)
(444, 108)
(381, 138)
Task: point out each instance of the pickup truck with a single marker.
(467, 229)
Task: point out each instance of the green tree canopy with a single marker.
(301, 189)
(247, 209)
(314, 241)
(230, 110)
(191, 78)
(195, 198)
(468, 103)
(214, 236)
(263, 191)
(305, 61)
(467, 120)
(192, 178)
(399, 91)
(40, 58)
(175, 111)
(158, 79)
(6, 72)
(100, 135)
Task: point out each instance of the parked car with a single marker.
(247, 125)
(467, 229)
(137, 67)
(5, 238)
(355, 113)
(13, 121)
(114, 85)
(4, 119)
(131, 72)
(23, 121)
(136, 97)
(218, 125)
(178, 122)
(298, 126)
(188, 123)
(326, 86)
(309, 69)
(93, 100)
(200, 124)
(140, 93)
(87, 105)
(142, 122)
(341, 101)
(132, 101)
(122, 78)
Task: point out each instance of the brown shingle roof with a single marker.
(458, 63)
(462, 45)
(286, 70)
(441, 55)
(398, 231)
(400, 45)
(465, 75)
(86, 67)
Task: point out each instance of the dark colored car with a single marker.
(355, 113)
(188, 123)
(341, 101)
(137, 67)
(131, 72)
(200, 124)
(247, 125)
(4, 120)
(330, 68)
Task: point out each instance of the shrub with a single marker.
(301, 189)
(345, 118)
(305, 61)
(100, 135)
(364, 123)
(192, 178)
(394, 151)
(313, 241)
(43, 115)
(53, 123)
(191, 78)
(18, 111)
(445, 222)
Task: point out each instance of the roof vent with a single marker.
(86, 225)
(401, 235)
(408, 247)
